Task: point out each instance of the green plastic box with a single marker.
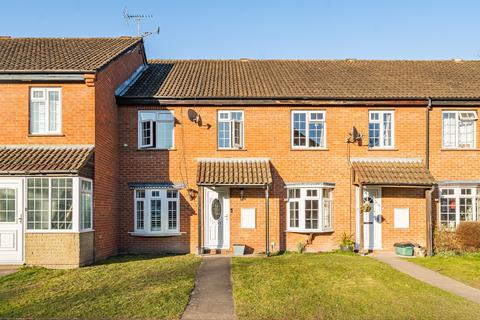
(404, 249)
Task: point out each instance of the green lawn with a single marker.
(121, 287)
(337, 286)
(462, 268)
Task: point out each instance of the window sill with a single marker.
(39, 135)
(309, 149)
(309, 231)
(382, 149)
(152, 234)
(459, 149)
(56, 231)
(231, 149)
(155, 149)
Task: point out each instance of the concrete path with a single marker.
(212, 296)
(7, 270)
(428, 276)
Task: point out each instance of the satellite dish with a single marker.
(355, 134)
(194, 116)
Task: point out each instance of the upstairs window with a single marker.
(309, 209)
(459, 129)
(458, 205)
(381, 129)
(308, 129)
(155, 129)
(45, 111)
(230, 129)
(157, 211)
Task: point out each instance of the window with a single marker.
(308, 129)
(381, 129)
(7, 205)
(55, 204)
(45, 111)
(458, 205)
(309, 209)
(85, 204)
(230, 129)
(49, 203)
(157, 211)
(155, 129)
(459, 129)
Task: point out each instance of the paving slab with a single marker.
(212, 296)
(429, 276)
(7, 271)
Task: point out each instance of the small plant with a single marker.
(346, 242)
(446, 242)
(300, 247)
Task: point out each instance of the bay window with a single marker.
(155, 129)
(309, 209)
(157, 211)
(381, 129)
(459, 129)
(59, 204)
(230, 129)
(308, 129)
(459, 204)
(45, 111)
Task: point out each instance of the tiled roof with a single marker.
(60, 54)
(322, 79)
(43, 159)
(393, 172)
(234, 171)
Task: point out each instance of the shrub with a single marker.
(446, 242)
(468, 236)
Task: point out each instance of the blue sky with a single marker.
(281, 29)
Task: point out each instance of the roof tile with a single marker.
(234, 171)
(322, 79)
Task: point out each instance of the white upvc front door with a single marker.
(217, 218)
(11, 222)
(372, 220)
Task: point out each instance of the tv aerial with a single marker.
(138, 18)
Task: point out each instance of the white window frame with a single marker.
(154, 132)
(75, 206)
(308, 115)
(80, 202)
(46, 101)
(380, 122)
(302, 212)
(231, 123)
(467, 115)
(457, 195)
(156, 194)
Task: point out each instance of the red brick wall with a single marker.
(267, 134)
(78, 118)
(106, 150)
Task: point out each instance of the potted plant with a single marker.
(346, 243)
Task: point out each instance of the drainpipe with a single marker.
(267, 221)
(427, 132)
(429, 193)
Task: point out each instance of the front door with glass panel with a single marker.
(11, 229)
(372, 219)
(217, 218)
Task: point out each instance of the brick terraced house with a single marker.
(105, 152)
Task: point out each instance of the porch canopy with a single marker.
(248, 172)
(29, 160)
(391, 172)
